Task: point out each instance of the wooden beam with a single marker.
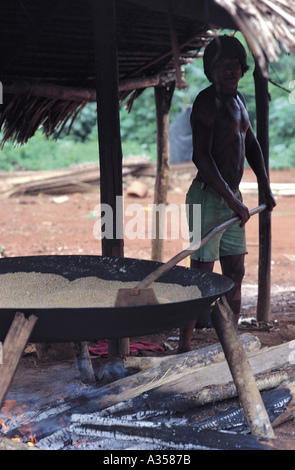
(13, 348)
(108, 122)
(108, 116)
(52, 91)
(264, 270)
(163, 98)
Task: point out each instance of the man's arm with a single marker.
(255, 159)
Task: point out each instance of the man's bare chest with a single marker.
(232, 116)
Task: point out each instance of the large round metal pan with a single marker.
(90, 324)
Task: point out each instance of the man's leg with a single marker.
(187, 330)
(234, 268)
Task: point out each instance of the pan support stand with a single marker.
(254, 410)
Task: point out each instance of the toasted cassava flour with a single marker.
(38, 290)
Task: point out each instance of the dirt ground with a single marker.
(48, 225)
(63, 225)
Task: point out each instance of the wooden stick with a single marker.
(251, 401)
(13, 348)
(154, 275)
(83, 360)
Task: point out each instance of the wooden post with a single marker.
(13, 348)
(108, 122)
(244, 380)
(264, 270)
(108, 118)
(83, 361)
(163, 98)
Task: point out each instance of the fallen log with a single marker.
(202, 386)
(198, 358)
(172, 369)
(79, 178)
(153, 403)
(183, 437)
(279, 403)
(64, 181)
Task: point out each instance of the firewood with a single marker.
(144, 394)
(279, 403)
(181, 437)
(289, 412)
(8, 444)
(79, 178)
(204, 385)
(197, 358)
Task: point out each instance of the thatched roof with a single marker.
(265, 24)
(47, 50)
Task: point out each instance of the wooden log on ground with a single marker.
(79, 178)
(249, 395)
(289, 412)
(279, 403)
(153, 401)
(13, 348)
(166, 382)
(182, 437)
(197, 358)
(196, 388)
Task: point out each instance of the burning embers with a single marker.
(12, 416)
(55, 428)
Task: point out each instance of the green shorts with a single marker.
(214, 211)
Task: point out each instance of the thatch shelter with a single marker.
(58, 55)
(48, 52)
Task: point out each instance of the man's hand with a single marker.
(270, 201)
(240, 209)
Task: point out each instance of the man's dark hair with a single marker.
(224, 47)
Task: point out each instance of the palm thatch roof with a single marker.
(47, 50)
(265, 24)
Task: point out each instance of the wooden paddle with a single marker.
(142, 295)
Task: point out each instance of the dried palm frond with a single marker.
(20, 118)
(265, 24)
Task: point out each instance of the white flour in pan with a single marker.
(38, 290)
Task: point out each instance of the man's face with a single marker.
(227, 73)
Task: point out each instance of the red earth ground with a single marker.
(48, 225)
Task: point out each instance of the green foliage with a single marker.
(43, 154)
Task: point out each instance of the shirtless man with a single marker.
(222, 138)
